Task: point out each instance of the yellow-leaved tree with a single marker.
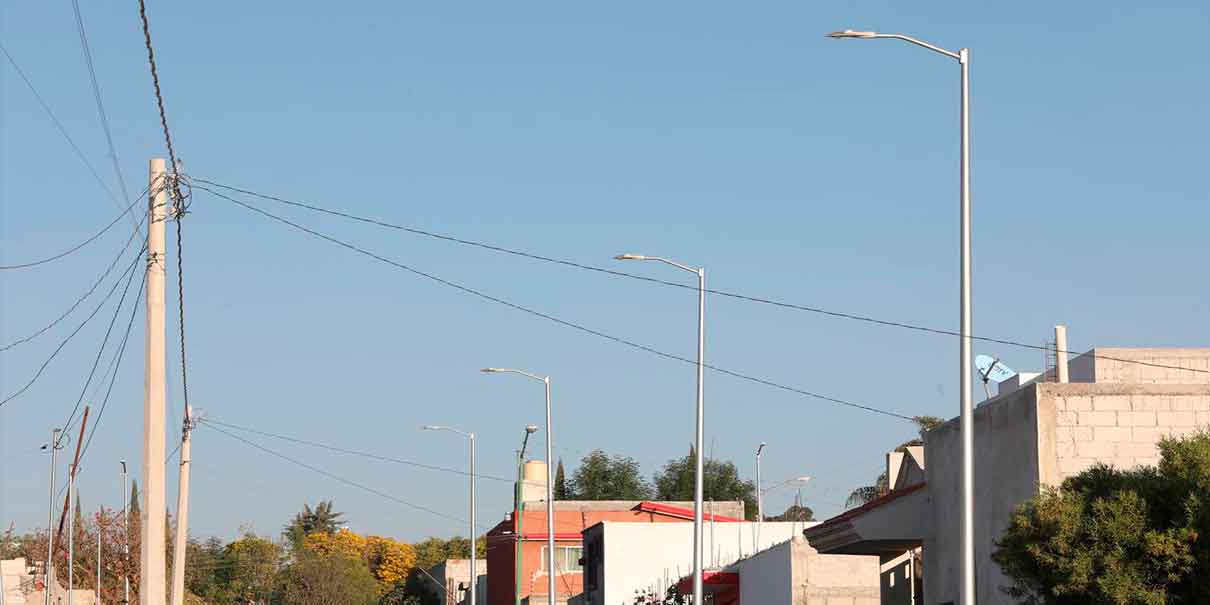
(388, 560)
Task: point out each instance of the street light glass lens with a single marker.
(430, 427)
(848, 33)
(489, 370)
(630, 257)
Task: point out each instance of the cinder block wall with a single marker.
(1118, 424)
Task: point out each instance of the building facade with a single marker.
(1117, 406)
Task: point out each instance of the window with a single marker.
(567, 559)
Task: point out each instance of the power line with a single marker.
(96, 93)
(554, 319)
(723, 293)
(334, 476)
(73, 333)
(80, 245)
(179, 202)
(59, 125)
(78, 301)
(116, 364)
(101, 350)
(341, 450)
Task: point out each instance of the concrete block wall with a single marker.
(1159, 366)
(1119, 425)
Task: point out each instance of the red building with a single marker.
(523, 533)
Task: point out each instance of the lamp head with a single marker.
(531, 429)
(630, 257)
(848, 33)
(802, 479)
(431, 427)
(490, 370)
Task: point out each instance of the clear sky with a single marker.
(792, 166)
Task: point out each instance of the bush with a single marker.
(1135, 537)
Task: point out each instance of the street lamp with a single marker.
(471, 438)
(964, 361)
(699, 446)
(760, 501)
(529, 430)
(550, 479)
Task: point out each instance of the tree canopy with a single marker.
(720, 482)
(323, 519)
(604, 477)
(1114, 536)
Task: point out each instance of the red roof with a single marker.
(680, 513)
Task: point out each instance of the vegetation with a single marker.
(794, 513)
(881, 484)
(604, 477)
(1123, 537)
(316, 562)
(720, 482)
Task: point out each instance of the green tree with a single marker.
(720, 481)
(1123, 537)
(333, 579)
(323, 518)
(560, 489)
(795, 512)
(135, 509)
(604, 477)
(250, 566)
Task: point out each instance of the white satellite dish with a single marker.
(990, 368)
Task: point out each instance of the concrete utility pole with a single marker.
(49, 572)
(182, 514)
(152, 588)
(71, 537)
(125, 539)
(97, 592)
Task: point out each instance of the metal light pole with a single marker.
(71, 535)
(699, 447)
(474, 571)
(519, 504)
(760, 501)
(50, 520)
(125, 539)
(550, 480)
(964, 361)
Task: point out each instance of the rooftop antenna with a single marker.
(990, 368)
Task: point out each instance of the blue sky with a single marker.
(791, 166)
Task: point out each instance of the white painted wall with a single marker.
(643, 555)
(767, 577)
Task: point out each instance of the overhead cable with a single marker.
(64, 342)
(552, 318)
(96, 93)
(333, 476)
(78, 301)
(341, 450)
(723, 293)
(63, 131)
(80, 245)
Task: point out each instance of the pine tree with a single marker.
(135, 511)
(561, 483)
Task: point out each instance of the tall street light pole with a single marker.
(49, 572)
(125, 539)
(760, 502)
(699, 447)
(474, 571)
(519, 506)
(550, 481)
(964, 362)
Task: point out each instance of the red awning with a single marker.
(709, 578)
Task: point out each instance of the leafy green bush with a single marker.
(1123, 537)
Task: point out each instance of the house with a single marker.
(1114, 408)
(21, 583)
(450, 581)
(517, 546)
(792, 573)
(624, 558)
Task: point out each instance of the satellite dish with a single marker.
(991, 368)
